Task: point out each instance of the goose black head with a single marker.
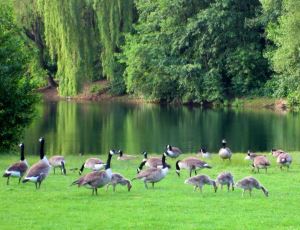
(224, 143)
(169, 147)
(112, 152)
(145, 154)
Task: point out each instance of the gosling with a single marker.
(283, 159)
(117, 178)
(248, 183)
(258, 161)
(225, 178)
(201, 180)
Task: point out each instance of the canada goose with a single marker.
(248, 183)
(203, 153)
(259, 161)
(97, 179)
(117, 178)
(283, 158)
(152, 162)
(153, 175)
(225, 178)
(17, 169)
(125, 157)
(225, 152)
(200, 180)
(92, 163)
(58, 162)
(191, 164)
(172, 151)
(39, 171)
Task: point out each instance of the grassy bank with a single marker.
(172, 204)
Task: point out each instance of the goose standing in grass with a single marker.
(97, 179)
(92, 163)
(203, 153)
(125, 157)
(154, 175)
(172, 151)
(17, 169)
(152, 162)
(225, 152)
(283, 159)
(225, 178)
(248, 183)
(201, 180)
(39, 171)
(117, 178)
(258, 161)
(191, 164)
(58, 162)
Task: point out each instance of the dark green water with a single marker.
(73, 128)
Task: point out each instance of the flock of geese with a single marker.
(157, 169)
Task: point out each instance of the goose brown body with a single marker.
(258, 161)
(153, 175)
(92, 163)
(249, 183)
(17, 169)
(191, 164)
(58, 162)
(116, 179)
(225, 178)
(201, 180)
(125, 157)
(40, 170)
(225, 152)
(96, 179)
(173, 151)
(283, 159)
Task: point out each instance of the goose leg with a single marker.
(107, 187)
(114, 187)
(243, 193)
(96, 190)
(40, 184)
(266, 170)
(93, 192)
(195, 188)
(200, 187)
(7, 182)
(228, 187)
(221, 187)
(20, 179)
(36, 185)
(54, 170)
(250, 190)
(195, 172)
(190, 172)
(146, 186)
(153, 185)
(232, 187)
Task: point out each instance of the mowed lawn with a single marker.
(170, 205)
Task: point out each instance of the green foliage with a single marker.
(97, 88)
(293, 100)
(195, 51)
(284, 54)
(16, 86)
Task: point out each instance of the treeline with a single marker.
(168, 50)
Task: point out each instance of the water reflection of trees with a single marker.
(73, 128)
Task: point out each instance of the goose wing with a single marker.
(19, 167)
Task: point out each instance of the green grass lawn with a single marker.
(170, 205)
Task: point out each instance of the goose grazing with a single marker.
(225, 178)
(172, 151)
(225, 152)
(92, 163)
(258, 161)
(191, 164)
(125, 157)
(248, 183)
(203, 153)
(58, 162)
(17, 169)
(39, 171)
(154, 175)
(283, 158)
(152, 162)
(201, 180)
(97, 179)
(117, 178)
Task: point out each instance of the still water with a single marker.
(89, 127)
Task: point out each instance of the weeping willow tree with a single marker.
(114, 17)
(81, 36)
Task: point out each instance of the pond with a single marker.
(93, 127)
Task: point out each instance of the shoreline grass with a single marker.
(171, 204)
